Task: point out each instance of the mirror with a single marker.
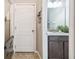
(58, 16)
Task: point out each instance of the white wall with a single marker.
(7, 5)
(72, 29)
(39, 28)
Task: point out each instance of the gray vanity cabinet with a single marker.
(66, 52)
(58, 47)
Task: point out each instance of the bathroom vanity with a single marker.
(58, 47)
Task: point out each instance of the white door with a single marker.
(25, 27)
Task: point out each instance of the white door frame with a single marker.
(12, 13)
(71, 29)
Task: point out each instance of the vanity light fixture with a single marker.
(54, 4)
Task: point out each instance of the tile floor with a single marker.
(25, 56)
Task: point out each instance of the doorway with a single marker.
(24, 27)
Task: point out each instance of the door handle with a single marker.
(32, 30)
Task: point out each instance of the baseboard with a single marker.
(38, 54)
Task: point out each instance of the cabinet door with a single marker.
(66, 54)
(55, 49)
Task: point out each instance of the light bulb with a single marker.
(54, 4)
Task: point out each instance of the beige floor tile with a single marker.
(25, 56)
